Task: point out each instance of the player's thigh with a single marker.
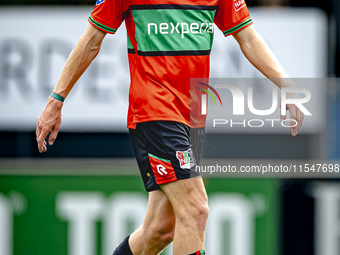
(160, 215)
(188, 197)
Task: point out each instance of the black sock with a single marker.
(123, 248)
(200, 252)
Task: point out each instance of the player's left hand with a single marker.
(295, 115)
(49, 122)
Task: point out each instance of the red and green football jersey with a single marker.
(169, 42)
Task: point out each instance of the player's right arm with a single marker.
(260, 56)
(80, 58)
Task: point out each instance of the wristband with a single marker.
(58, 97)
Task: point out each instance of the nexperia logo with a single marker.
(180, 28)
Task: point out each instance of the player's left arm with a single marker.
(80, 58)
(260, 56)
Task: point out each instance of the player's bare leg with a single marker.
(157, 230)
(189, 200)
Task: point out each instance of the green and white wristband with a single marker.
(58, 97)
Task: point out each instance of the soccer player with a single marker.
(169, 42)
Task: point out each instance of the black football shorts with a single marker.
(166, 151)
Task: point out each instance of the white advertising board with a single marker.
(35, 42)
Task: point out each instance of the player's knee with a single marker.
(166, 228)
(196, 214)
(159, 237)
(161, 232)
(201, 215)
(167, 236)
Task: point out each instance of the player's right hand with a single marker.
(296, 115)
(49, 122)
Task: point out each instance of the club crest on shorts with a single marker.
(185, 158)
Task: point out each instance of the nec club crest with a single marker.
(99, 2)
(185, 159)
(239, 4)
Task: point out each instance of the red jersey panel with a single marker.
(169, 42)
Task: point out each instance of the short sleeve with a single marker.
(108, 15)
(232, 16)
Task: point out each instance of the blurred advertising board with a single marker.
(35, 43)
(89, 215)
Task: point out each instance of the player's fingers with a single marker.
(293, 121)
(297, 123)
(44, 147)
(41, 139)
(298, 120)
(41, 147)
(54, 134)
(301, 119)
(283, 118)
(38, 130)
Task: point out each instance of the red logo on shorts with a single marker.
(162, 169)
